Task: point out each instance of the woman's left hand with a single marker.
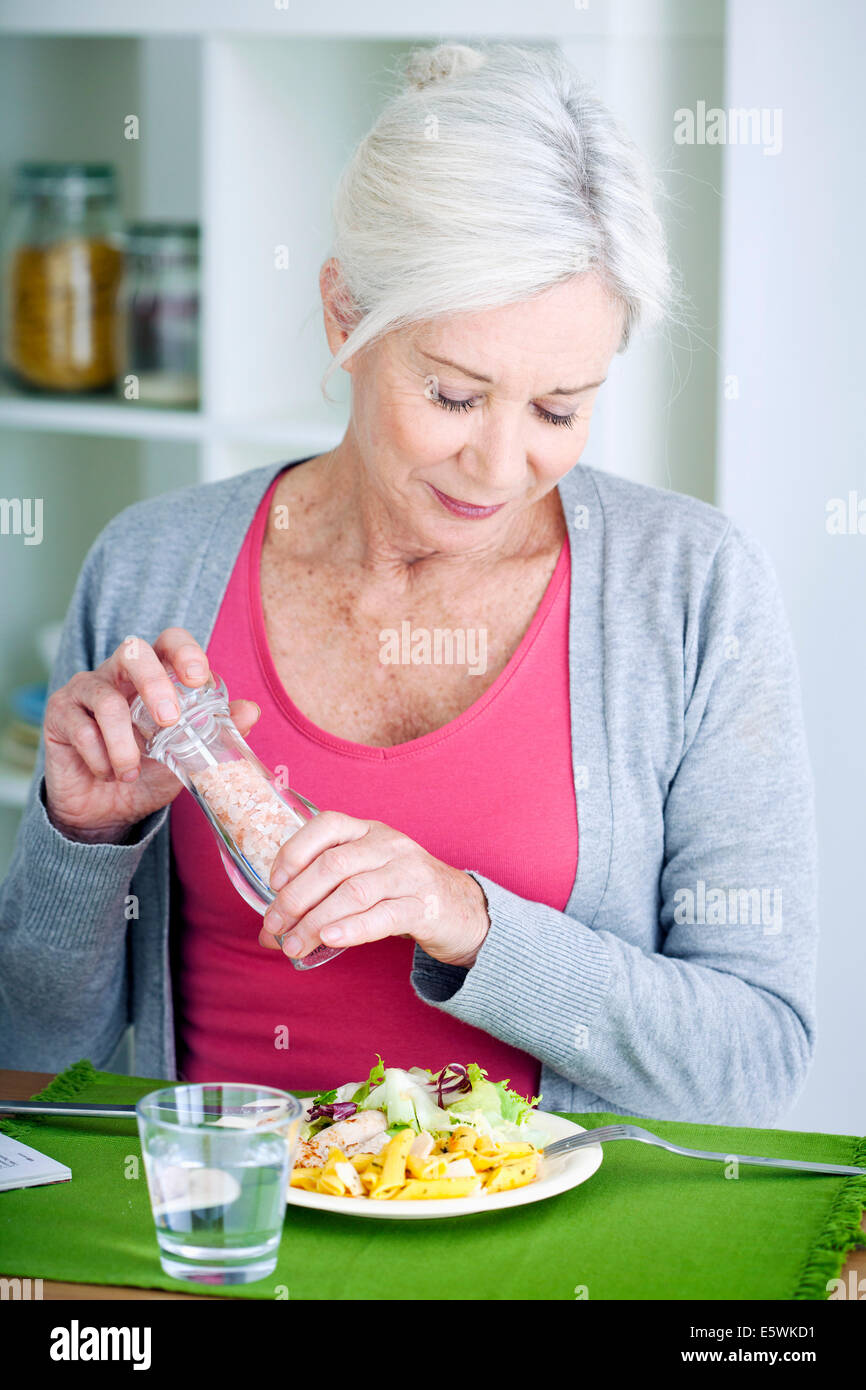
(344, 881)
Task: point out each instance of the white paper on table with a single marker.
(21, 1166)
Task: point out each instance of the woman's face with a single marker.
(460, 425)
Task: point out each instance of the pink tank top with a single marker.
(492, 790)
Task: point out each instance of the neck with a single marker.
(358, 525)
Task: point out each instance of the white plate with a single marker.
(558, 1175)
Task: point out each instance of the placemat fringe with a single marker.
(67, 1085)
(842, 1233)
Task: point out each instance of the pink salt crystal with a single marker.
(249, 809)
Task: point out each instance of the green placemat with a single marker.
(647, 1225)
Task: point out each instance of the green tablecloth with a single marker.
(647, 1225)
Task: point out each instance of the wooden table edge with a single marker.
(21, 1085)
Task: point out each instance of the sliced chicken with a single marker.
(347, 1175)
(461, 1168)
(422, 1146)
(361, 1133)
(376, 1144)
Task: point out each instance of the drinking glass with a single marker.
(217, 1158)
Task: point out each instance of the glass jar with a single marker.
(159, 315)
(62, 267)
(249, 812)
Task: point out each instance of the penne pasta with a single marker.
(414, 1190)
(394, 1168)
(436, 1166)
(464, 1137)
(517, 1173)
(331, 1185)
(305, 1178)
(363, 1161)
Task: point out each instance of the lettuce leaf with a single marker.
(406, 1101)
(494, 1099)
(377, 1075)
(323, 1098)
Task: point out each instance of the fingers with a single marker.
(339, 849)
(318, 897)
(111, 713)
(72, 726)
(138, 667)
(245, 714)
(135, 668)
(390, 917)
(179, 649)
(325, 831)
(359, 868)
(91, 712)
(94, 719)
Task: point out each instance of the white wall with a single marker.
(655, 420)
(793, 293)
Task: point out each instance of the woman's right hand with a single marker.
(98, 782)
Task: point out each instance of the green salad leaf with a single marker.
(407, 1101)
(377, 1075)
(324, 1098)
(494, 1099)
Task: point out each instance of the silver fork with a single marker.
(608, 1132)
(115, 1110)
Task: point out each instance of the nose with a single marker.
(495, 462)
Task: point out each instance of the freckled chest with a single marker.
(347, 661)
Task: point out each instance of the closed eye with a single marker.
(447, 404)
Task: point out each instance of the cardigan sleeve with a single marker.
(64, 905)
(718, 1023)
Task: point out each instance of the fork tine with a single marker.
(573, 1142)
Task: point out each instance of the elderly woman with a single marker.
(583, 854)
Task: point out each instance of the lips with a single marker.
(464, 509)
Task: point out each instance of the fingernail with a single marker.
(274, 922)
(332, 936)
(167, 710)
(194, 668)
(279, 879)
(130, 776)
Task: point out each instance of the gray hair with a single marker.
(494, 173)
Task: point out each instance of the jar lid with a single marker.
(72, 177)
(162, 231)
(198, 707)
(162, 244)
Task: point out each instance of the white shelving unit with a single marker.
(248, 112)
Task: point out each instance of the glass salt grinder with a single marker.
(249, 812)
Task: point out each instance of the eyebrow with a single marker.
(478, 376)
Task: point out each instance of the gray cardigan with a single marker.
(679, 982)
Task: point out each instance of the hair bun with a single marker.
(425, 66)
